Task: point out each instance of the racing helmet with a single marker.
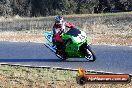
(59, 20)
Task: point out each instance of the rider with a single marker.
(58, 29)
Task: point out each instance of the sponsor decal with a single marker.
(83, 78)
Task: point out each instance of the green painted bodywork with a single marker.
(72, 49)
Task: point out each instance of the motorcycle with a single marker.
(76, 45)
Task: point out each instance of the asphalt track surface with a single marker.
(115, 59)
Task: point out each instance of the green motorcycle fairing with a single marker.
(78, 38)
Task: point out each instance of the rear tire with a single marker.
(90, 55)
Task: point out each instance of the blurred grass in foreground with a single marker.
(33, 77)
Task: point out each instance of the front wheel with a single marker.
(90, 55)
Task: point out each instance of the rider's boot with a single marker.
(60, 50)
(54, 43)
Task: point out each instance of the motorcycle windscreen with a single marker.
(77, 35)
(80, 38)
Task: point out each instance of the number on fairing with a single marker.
(81, 37)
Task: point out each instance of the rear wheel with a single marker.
(90, 55)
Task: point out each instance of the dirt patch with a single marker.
(100, 28)
(111, 40)
(39, 38)
(21, 37)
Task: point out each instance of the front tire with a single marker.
(90, 55)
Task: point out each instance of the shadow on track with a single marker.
(39, 60)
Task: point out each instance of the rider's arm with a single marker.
(54, 30)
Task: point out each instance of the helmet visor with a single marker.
(58, 22)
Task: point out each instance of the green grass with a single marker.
(37, 73)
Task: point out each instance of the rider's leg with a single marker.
(58, 47)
